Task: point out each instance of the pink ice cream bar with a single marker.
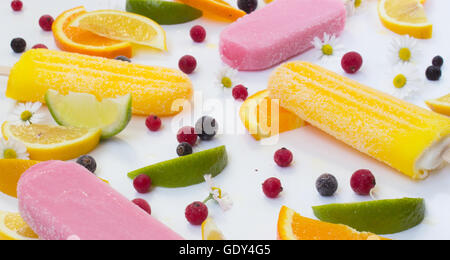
(64, 201)
(279, 31)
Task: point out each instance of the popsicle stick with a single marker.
(446, 155)
(4, 71)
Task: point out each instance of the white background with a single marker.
(253, 215)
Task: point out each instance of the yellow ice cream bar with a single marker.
(413, 140)
(153, 89)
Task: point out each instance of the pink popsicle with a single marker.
(279, 31)
(62, 200)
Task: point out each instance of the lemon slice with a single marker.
(440, 105)
(405, 17)
(12, 227)
(210, 231)
(123, 26)
(46, 142)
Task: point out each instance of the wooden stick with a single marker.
(446, 155)
(4, 71)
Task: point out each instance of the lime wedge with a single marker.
(187, 170)
(111, 115)
(164, 12)
(379, 217)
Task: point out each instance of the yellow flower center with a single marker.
(226, 82)
(358, 3)
(219, 190)
(9, 154)
(327, 50)
(405, 54)
(400, 81)
(26, 115)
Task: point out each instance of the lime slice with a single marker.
(379, 217)
(111, 115)
(187, 170)
(164, 12)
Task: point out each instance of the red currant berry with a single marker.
(196, 213)
(240, 92)
(39, 46)
(142, 183)
(153, 123)
(46, 22)
(198, 33)
(16, 5)
(352, 62)
(362, 182)
(187, 64)
(283, 157)
(143, 205)
(272, 187)
(187, 135)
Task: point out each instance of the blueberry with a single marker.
(206, 128)
(88, 162)
(18, 45)
(433, 73)
(326, 185)
(184, 149)
(248, 6)
(438, 61)
(123, 58)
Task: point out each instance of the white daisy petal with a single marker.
(229, 74)
(412, 85)
(329, 41)
(19, 149)
(220, 197)
(405, 43)
(33, 108)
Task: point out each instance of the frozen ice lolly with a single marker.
(279, 31)
(63, 200)
(409, 138)
(153, 89)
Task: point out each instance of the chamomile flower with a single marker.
(26, 114)
(217, 194)
(13, 149)
(404, 50)
(353, 6)
(328, 47)
(226, 77)
(404, 81)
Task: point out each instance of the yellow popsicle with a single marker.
(413, 140)
(153, 89)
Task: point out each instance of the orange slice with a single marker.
(73, 39)
(11, 170)
(292, 226)
(264, 117)
(217, 8)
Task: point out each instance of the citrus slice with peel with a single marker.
(13, 227)
(123, 26)
(111, 115)
(186, 170)
(73, 39)
(405, 17)
(11, 170)
(292, 226)
(45, 142)
(264, 117)
(440, 105)
(217, 8)
(378, 216)
(210, 231)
